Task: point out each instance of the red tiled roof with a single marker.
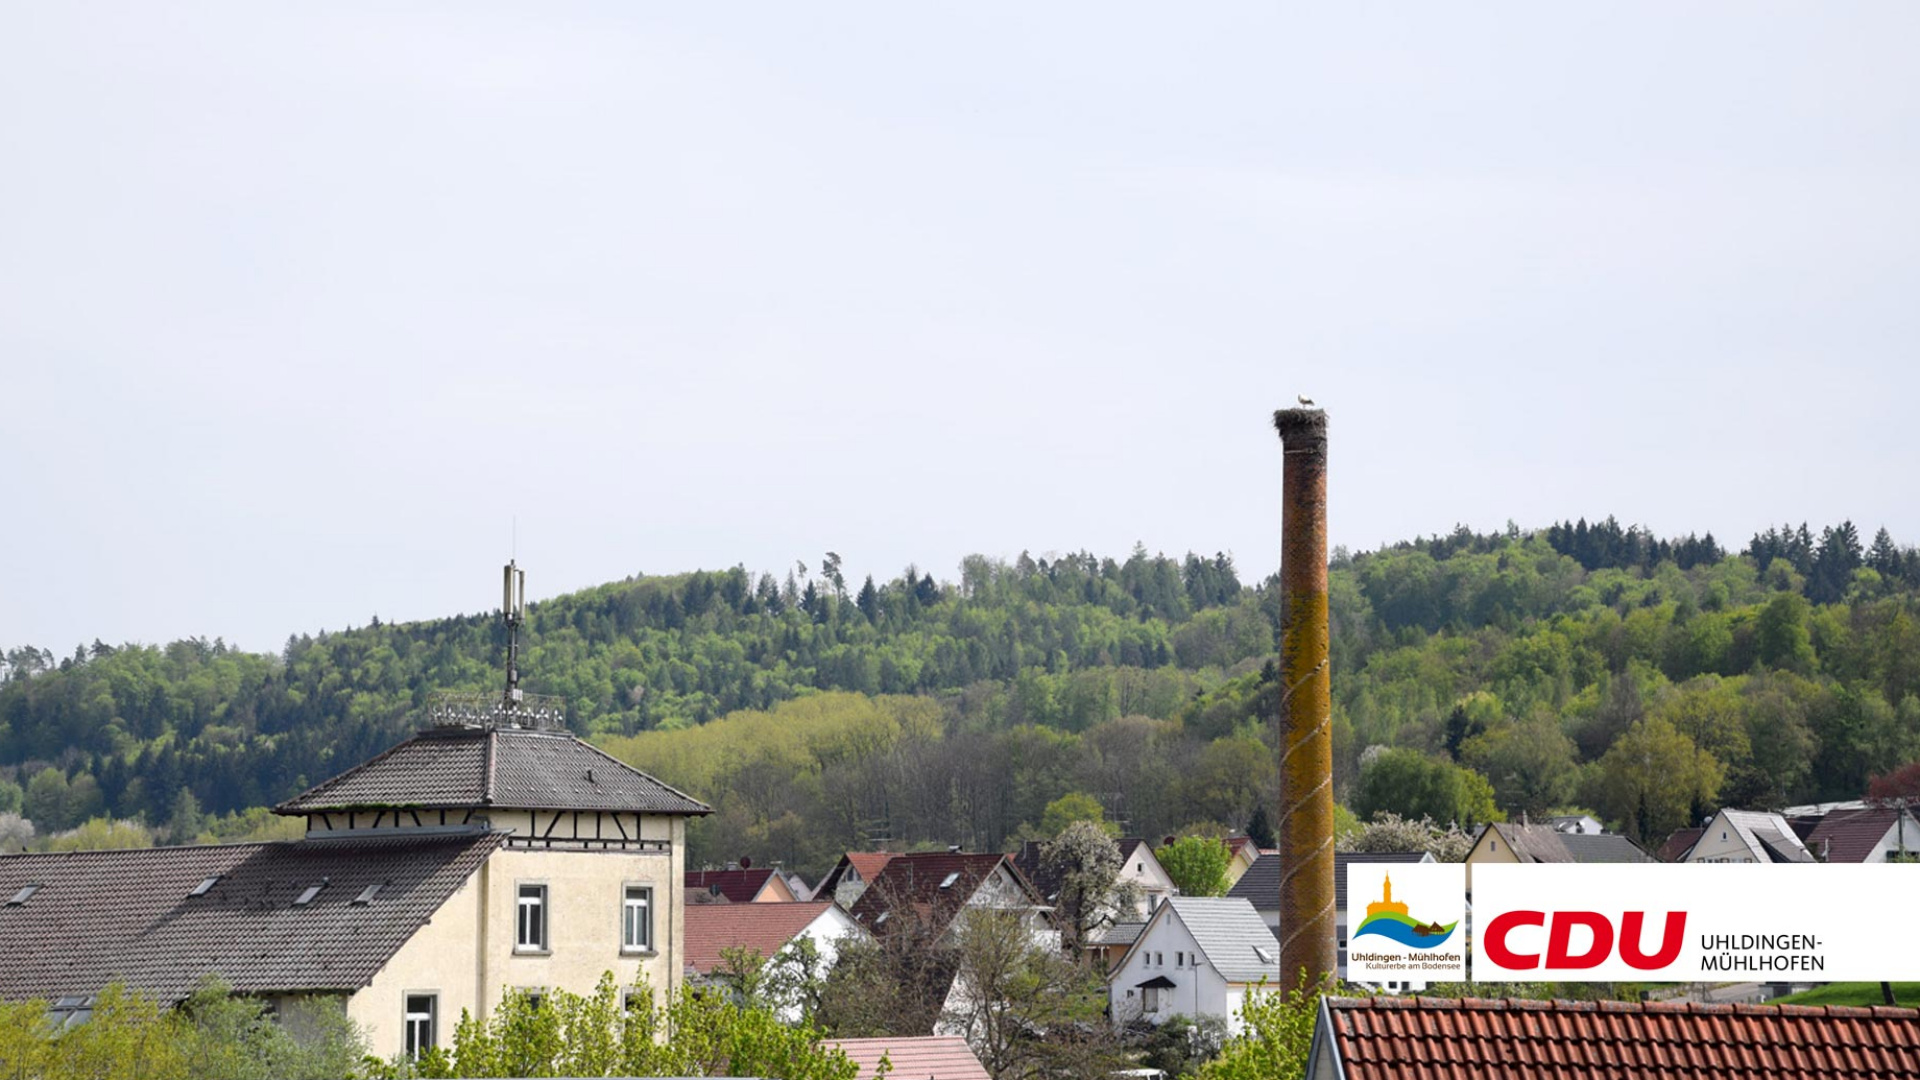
(761, 928)
(1851, 835)
(1438, 1039)
(867, 864)
(739, 886)
(920, 880)
(1676, 846)
(936, 1057)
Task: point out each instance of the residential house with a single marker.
(1510, 842)
(1243, 854)
(1197, 956)
(934, 1057)
(934, 888)
(474, 857)
(851, 876)
(1868, 834)
(1397, 1038)
(765, 930)
(1110, 943)
(1261, 888)
(1138, 866)
(1678, 844)
(741, 884)
(1748, 836)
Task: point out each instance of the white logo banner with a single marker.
(1694, 922)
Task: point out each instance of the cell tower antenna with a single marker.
(513, 707)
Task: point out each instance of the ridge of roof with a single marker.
(1228, 931)
(505, 768)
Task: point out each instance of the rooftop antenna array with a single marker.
(514, 707)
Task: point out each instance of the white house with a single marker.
(1197, 956)
(1139, 866)
(765, 930)
(1867, 834)
(1748, 836)
(1260, 886)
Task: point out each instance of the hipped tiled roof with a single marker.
(130, 916)
(509, 768)
(934, 1057)
(1386, 1038)
(765, 929)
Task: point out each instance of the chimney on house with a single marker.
(1307, 952)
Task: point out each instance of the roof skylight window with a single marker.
(1265, 956)
(950, 879)
(205, 885)
(26, 893)
(367, 894)
(307, 897)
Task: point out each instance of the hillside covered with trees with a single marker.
(1476, 675)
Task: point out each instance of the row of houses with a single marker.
(482, 856)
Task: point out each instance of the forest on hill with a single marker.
(1476, 676)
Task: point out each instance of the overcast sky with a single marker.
(301, 305)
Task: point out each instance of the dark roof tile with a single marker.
(129, 916)
(508, 768)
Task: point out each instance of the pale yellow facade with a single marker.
(467, 955)
(1490, 848)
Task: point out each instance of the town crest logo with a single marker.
(1388, 918)
(1404, 926)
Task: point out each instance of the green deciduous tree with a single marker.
(1197, 865)
(1655, 780)
(1276, 1038)
(1413, 784)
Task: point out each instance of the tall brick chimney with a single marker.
(1307, 916)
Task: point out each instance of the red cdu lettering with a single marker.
(1561, 935)
(1496, 939)
(1631, 925)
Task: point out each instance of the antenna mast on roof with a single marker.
(513, 612)
(514, 708)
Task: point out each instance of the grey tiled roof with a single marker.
(1228, 930)
(130, 916)
(1260, 885)
(1603, 848)
(511, 769)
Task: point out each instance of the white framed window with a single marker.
(1159, 959)
(636, 918)
(418, 1021)
(530, 927)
